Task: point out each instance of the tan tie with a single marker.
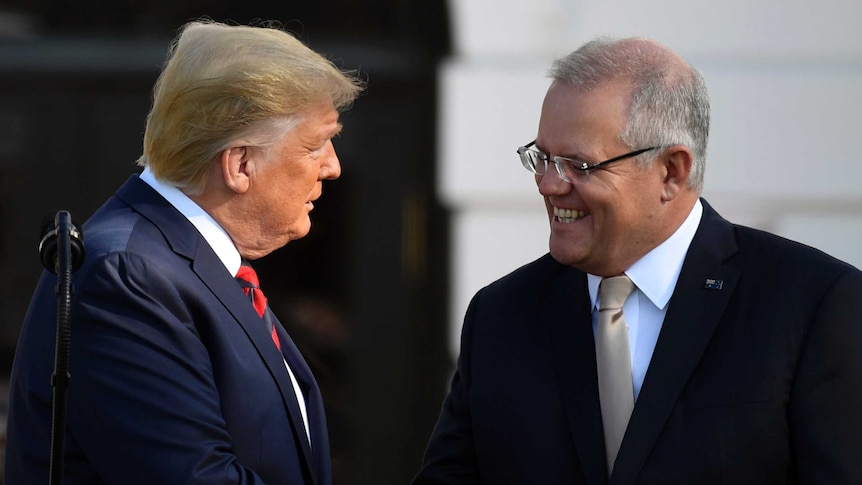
(614, 363)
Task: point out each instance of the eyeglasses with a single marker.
(569, 170)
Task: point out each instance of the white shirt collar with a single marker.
(657, 272)
(211, 231)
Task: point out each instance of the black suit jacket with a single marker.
(175, 378)
(758, 382)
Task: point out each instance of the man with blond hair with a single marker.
(180, 372)
(656, 343)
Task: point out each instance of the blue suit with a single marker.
(756, 380)
(174, 378)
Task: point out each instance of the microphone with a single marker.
(52, 229)
(61, 250)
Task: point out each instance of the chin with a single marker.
(299, 232)
(564, 258)
(565, 253)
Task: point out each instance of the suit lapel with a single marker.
(567, 314)
(693, 313)
(186, 241)
(226, 289)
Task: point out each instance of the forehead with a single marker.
(320, 120)
(313, 127)
(572, 118)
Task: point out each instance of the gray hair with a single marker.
(669, 100)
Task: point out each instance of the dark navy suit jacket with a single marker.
(174, 378)
(758, 382)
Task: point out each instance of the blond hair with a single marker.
(222, 83)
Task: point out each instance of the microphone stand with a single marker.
(59, 243)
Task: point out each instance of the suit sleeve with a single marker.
(143, 405)
(450, 456)
(824, 412)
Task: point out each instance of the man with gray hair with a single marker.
(180, 371)
(656, 342)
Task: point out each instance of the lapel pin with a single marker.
(712, 284)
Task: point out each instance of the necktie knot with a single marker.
(247, 278)
(248, 275)
(613, 292)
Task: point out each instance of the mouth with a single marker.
(310, 202)
(568, 216)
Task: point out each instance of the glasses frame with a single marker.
(558, 160)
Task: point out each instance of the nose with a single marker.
(330, 168)
(550, 183)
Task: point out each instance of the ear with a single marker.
(236, 167)
(676, 162)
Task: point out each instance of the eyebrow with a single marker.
(337, 130)
(577, 157)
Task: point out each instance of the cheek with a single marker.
(298, 184)
(548, 207)
(613, 220)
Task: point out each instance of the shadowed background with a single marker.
(364, 294)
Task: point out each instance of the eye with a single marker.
(319, 147)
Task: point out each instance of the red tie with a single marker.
(247, 278)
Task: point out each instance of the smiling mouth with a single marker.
(568, 216)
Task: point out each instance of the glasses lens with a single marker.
(533, 160)
(569, 173)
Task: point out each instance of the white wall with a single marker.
(784, 78)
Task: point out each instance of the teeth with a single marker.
(567, 216)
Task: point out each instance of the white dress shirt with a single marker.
(221, 244)
(655, 276)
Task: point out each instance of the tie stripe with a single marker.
(248, 280)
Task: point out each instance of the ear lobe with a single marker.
(677, 162)
(236, 168)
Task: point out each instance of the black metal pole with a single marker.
(60, 379)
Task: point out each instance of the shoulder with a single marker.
(138, 221)
(773, 252)
(126, 250)
(117, 228)
(757, 251)
(789, 273)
